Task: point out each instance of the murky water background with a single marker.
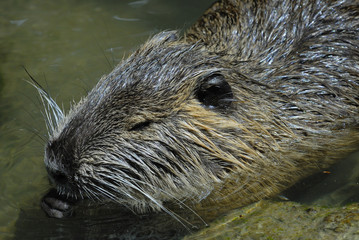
(66, 45)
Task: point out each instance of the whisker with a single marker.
(52, 112)
(178, 201)
(135, 185)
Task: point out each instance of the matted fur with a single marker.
(142, 137)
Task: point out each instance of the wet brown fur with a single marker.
(143, 138)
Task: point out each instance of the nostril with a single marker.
(57, 176)
(60, 177)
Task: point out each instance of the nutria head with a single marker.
(143, 135)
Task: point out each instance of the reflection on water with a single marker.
(106, 222)
(67, 45)
(338, 185)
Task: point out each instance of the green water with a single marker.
(66, 45)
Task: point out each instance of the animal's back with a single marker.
(299, 66)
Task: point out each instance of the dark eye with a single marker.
(140, 126)
(215, 92)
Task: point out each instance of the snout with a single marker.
(57, 176)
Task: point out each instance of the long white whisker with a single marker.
(52, 112)
(136, 187)
(179, 202)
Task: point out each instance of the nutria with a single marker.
(255, 96)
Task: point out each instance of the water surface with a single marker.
(66, 45)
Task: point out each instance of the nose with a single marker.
(57, 175)
(59, 163)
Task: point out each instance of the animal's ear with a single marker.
(172, 36)
(215, 92)
(169, 36)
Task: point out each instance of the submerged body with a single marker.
(255, 96)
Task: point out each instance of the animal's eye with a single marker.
(215, 92)
(139, 126)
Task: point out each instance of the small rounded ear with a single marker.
(169, 36)
(215, 92)
(173, 36)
